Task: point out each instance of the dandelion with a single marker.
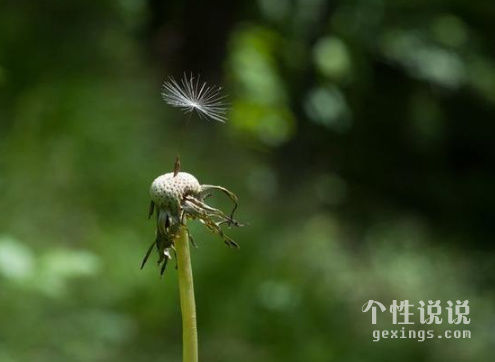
(178, 196)
(192, 95)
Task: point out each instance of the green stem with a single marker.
(187, 303)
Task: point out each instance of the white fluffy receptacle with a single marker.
(168, 190)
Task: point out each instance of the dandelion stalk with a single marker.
(187, 302)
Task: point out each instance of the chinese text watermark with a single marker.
(429, 313)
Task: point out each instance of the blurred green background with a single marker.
(360, 142)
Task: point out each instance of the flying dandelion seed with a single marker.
(192, 95)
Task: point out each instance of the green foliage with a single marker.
(359, 143)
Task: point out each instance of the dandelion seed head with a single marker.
(177, 197)
(190, 94)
